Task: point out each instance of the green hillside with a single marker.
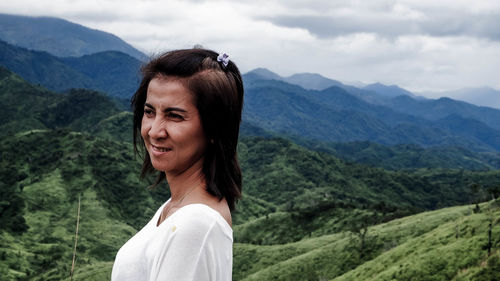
(304, 215)
(46, 172)
(41, 68)
(407, 156)
(62, 165)
(24, 107)
(447, 244)
(287, 174)
(112, 72)
(21, 104)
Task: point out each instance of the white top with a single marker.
(194, 243)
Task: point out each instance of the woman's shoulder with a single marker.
(200, 218)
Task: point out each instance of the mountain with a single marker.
(50, 110)
(299, 180)
(433, 157)
(389, 91)
(482, 96)
(375, 93)
(60, 37)
(49, 171)
(41, 68)
(448, 244)
(112, 72)
(441, 108)
(27, 107)
(286, 109)
(312, 81)
(21, 104)
(263, 73)
(300, 207)
(468, 127)
(309, 81)
(63, 167)
(334, 115)
(407, 156)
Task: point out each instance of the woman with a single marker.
(187, 113)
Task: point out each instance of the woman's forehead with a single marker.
(168, 91)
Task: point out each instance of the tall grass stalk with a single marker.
(76, 240)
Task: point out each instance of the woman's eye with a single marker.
(175, 116)
(148, 112)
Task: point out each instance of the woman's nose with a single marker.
(158, 129)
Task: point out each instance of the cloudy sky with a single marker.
(417, 44)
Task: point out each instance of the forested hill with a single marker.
(407, 156)
(25, 106)
(448, 244)
(337, 114)
(298, 206)
(334, 115)
(112, 72)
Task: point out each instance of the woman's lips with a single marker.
(159, 150)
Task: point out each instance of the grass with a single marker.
(44, 252)
(435, 245)
(301, 244)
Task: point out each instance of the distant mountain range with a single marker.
(483, 96)
(431, 109)
(301, 106)
(390, 91)
(335, 115)
(309, 81)
(374, 93)
(314, 81)
(26, 107)
(60, 37)
(113, 72)
(378, 93)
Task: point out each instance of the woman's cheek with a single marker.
(145, 127)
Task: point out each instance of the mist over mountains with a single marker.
(482, 96)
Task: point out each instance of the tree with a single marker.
(494, 191)
(474, 189)
(360, 229)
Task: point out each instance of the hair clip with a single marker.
(224, 58)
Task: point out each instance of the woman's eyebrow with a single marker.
(168, 109)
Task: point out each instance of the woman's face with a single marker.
(171, 127)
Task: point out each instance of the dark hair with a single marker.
(218, 95)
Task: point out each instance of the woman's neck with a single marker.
(184, 183)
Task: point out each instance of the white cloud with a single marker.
(420, 45)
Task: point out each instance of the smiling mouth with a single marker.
(160, 149)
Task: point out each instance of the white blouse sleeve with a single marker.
(196, 247)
